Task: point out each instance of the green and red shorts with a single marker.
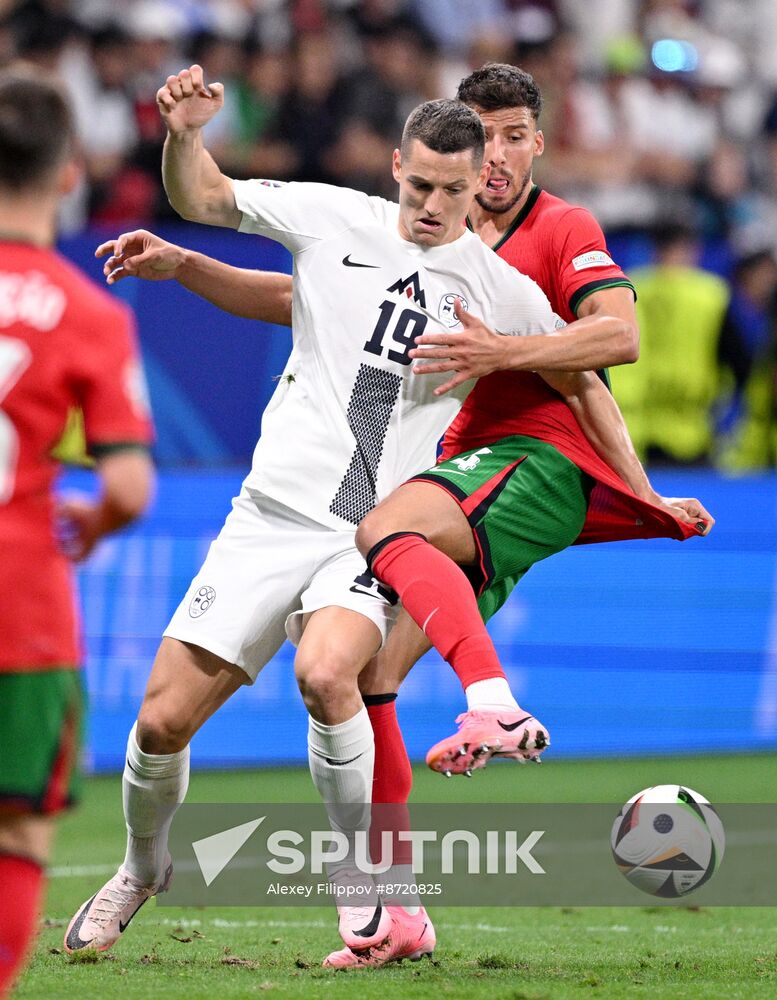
(41, 725)
(523, 499)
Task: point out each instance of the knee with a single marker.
(369, 532)
(320, 677)
(162, 730)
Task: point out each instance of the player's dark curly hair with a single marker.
(36, 130)
(446, 127)
(499, 85)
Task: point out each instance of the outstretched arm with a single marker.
(602, 423)
(605, 334)
(261, 295)
(195, 185)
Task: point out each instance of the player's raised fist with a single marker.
(185, 103)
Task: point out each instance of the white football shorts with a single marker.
(267, 568)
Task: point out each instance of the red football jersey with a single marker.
(64, 342)
(563, 249)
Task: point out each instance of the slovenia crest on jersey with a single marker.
(445, 310)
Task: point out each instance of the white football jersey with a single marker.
(349, 421)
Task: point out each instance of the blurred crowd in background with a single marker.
(659, 115)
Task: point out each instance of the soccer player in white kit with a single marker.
(348, 423)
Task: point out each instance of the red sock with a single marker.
(22, 887)
(440, 600)
(393, 778)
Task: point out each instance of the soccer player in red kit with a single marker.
(518, 479)
(501, 514)
(64, 343)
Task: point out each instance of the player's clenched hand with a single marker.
(185, 103)
(142, 255)
(689, 510)
(472, 353)
(79, 525)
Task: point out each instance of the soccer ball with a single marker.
(667, 840)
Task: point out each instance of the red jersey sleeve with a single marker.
(112, 387)
(584, 262)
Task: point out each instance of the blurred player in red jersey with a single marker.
(63, 343)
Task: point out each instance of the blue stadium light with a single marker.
(673, 56)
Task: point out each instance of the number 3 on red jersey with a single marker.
(15, 359)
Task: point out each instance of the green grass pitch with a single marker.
(510, 954)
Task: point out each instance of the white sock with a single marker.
(153, 786)
(490, 695)
(341, 761)
(342, 758)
